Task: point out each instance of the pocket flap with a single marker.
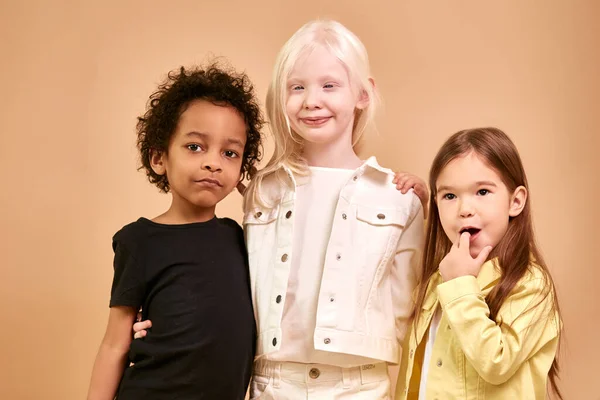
(381, 216)
(259, 216)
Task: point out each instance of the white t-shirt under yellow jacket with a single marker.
(333, 265)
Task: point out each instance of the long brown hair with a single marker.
(516, 249)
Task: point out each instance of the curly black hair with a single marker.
(214, 83)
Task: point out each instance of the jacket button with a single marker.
(314, 373)
(284, 257)
(439, 363)
(327, 341)
(258, 214)
(274, 341)
(288, 214)
(381, 216)
(412, 353)
(338, 257)
(344, 216)
(354, 177)
(278, 299)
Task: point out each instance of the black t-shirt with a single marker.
(192, 281)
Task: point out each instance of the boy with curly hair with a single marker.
(186, 268)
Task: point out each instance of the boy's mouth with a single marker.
(210, 182)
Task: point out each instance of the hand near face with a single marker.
(458, 262)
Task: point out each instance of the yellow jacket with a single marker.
(473, 357)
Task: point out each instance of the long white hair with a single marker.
(350, 51)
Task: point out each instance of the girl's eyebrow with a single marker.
(478, 183)
(326, 77)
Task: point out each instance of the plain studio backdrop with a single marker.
(74, 77)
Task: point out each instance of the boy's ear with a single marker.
(364, 100)
(157, 162)
(517, 201)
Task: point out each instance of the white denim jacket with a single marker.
(371, 268)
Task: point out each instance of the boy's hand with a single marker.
(458, 262)
(405, 181)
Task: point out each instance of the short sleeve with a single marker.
(128, 286)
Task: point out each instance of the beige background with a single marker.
(74, 78)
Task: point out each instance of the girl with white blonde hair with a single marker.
(334, 241)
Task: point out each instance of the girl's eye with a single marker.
(297, 87)
(194, 147)
(482, 192)
(328, 86)
(231, 154)
(449, 196)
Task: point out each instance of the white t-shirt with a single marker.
(314, 211)
(433, 328)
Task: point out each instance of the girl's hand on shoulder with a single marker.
(405, 181)
(458, 262)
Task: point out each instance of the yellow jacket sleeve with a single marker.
(526, 322)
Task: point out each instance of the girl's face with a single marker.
(472, 197)
(321, 101)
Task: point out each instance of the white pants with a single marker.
(296, 381)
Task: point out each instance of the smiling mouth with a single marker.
(315, 121)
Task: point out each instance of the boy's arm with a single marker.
(112, 355)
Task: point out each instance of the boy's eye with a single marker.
(297, 87)
(482, 192)
(231, 154)
(328, 86)
(194, 147)
(449, 196)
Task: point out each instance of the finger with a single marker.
(464, 241)
(456, 242)
(404, 184)
(138, 326)
(140, 334)
(397, 176)
(403, 188)
(483, 254)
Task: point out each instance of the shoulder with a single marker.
(131, 233)
(534, 290)
(231, 224)
(378, 182)
(268, 193)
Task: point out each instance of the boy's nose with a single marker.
(211, 164)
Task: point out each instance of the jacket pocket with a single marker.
(377, 226)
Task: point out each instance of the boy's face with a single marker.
(204, 161)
